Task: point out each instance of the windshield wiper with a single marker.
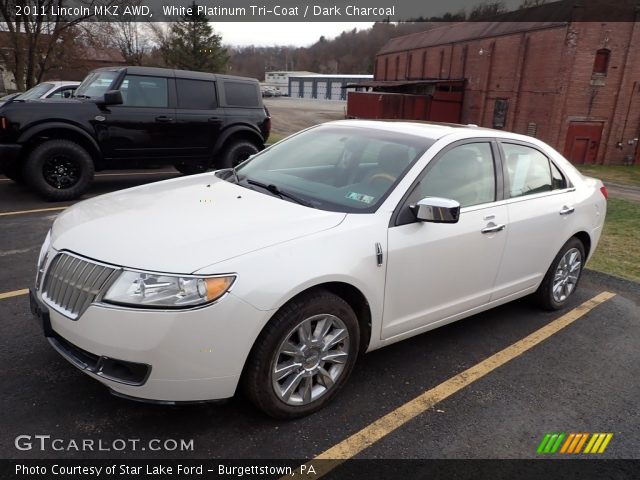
(276, 191)
(236, 178)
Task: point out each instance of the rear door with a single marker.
(540, 204)
(199, 116)
(143, 127)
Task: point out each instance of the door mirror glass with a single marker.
(437, 210)
(112, 97)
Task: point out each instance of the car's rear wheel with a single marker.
(303, 357)
(561, 280)
(59, 170)
(236, 152)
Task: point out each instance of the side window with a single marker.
(139, 91)
(557, 178)
(528, 170)
(241, 94)
(196, 94)
(465, 173)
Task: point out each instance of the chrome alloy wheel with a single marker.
(310, 359)
(567, 274)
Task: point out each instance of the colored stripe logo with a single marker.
(573, 443)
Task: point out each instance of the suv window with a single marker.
(529, 171)
(465, 173)
(241, 94)
(139, 91)
(196, 94)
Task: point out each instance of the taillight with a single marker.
(604, 192)
(3, 123)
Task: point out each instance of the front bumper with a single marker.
(9, 154)
(189, 356)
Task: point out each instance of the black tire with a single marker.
(545, 293)
(258, 381)
(59, 170)
(14, 172)
(236, 152)
(191, 168)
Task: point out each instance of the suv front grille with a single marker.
(72, 283)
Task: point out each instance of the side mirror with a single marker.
(112, 97)
(437, 210)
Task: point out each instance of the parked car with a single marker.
(131, 117)
(8, 98)
(274, 276)
(57, 89)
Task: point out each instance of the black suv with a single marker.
(132, 117)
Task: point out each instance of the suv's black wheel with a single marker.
(59, 170)
(303, 356)
(191, 168)
(563, 276)
(236, 152)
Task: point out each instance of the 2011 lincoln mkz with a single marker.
(274, 276)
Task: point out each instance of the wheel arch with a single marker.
(585, 239)
(238, 132)
(59, 131)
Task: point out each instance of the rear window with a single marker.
(241, 94)
(196, 94)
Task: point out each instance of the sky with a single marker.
(301, 34)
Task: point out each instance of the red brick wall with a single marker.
(546, 76)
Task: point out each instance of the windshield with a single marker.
(35, 92)
(96, 84)
(339, 168)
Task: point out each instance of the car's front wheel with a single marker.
(303, 356)
(562, 278)
(59, 170)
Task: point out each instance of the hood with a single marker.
(183, 224)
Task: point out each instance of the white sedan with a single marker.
(341, 239)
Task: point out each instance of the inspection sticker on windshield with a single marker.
(360, 197)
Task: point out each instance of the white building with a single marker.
(279, 80)
(326, 87)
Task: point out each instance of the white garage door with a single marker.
(294, 91)
(308, 89)
(336, 91)
(321, 91)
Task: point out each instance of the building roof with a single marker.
(291, 72)
(330, 75)
(460, 32)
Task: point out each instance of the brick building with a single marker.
(574, 84)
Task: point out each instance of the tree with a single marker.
(31, 42)
(191, 44)
(487, 9)
(531, 3)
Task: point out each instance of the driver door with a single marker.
(436, 271)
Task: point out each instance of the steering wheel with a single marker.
(381, 176)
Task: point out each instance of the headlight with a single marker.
(161, 290)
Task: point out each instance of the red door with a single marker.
(583, 141)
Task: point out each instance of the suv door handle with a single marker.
(492, 228)
(567, 210)
(214, 119)
(164, 119)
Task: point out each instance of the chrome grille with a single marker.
(72, 283)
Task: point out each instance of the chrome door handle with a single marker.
(492, 228)
(567, 210)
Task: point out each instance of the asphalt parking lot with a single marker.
(581, 379)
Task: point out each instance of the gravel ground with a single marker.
(290, 115)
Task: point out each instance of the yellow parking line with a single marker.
(374, 432)
(22, 212)
(15, 293)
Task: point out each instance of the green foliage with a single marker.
(619, 250)
(192, 45)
